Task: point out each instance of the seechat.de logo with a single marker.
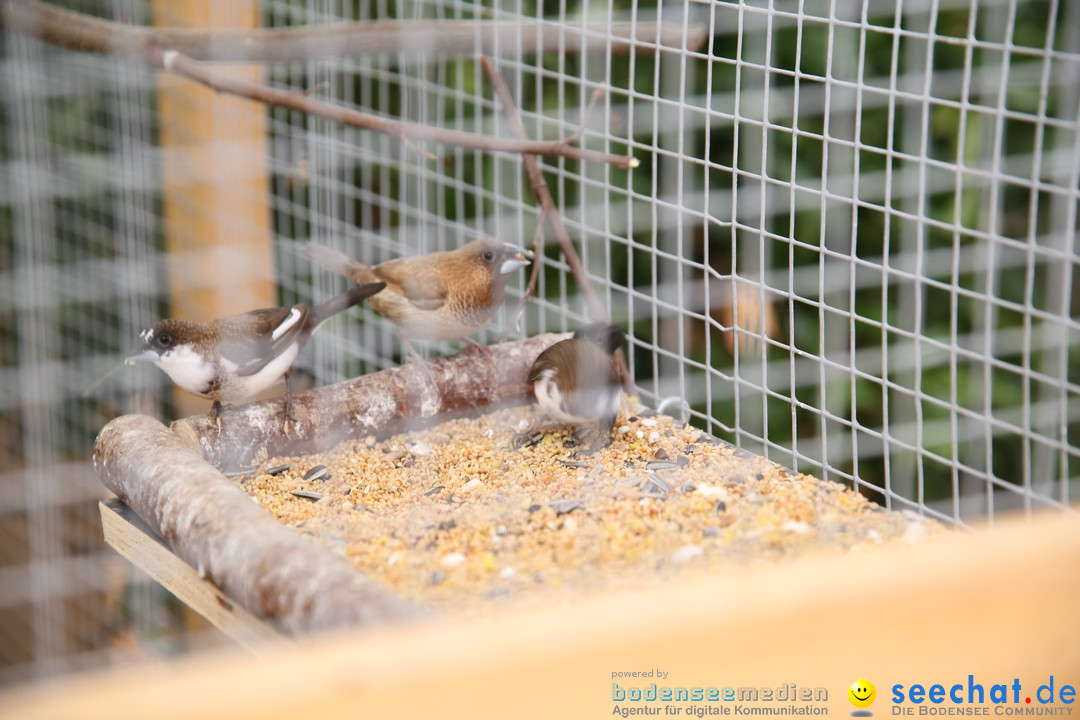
(862, 695)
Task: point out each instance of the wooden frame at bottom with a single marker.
(127, 534)
(987, 608)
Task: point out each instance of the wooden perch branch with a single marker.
(85, 33)
(378, 404)
(211, 524)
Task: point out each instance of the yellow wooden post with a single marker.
(216, 186)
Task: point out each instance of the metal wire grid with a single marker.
(1022, 341)
(910, 358)
(896, 181)
(78, 218)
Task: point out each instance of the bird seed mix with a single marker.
(456, 518)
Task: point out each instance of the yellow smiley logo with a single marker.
(862, 693)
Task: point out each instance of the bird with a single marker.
(575, 380)
(237, 357)
(445, 295)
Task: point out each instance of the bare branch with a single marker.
(85, 33)
(543, 195)
(410, 132)
(550, 213)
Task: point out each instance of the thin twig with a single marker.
(550, 213)
(430, 156)
(85, 33)
(596, 95)
(534, 276)
(316, 88)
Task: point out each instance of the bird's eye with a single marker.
(489, 255)
(163, 340)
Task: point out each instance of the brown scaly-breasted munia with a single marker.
(438, 296)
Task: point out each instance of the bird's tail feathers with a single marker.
(336, 261)
(323, 311)
(609, 337)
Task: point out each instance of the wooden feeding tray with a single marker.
(629, 583)
(390, 501)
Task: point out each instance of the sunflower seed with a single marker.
(238, 472)
(656, 483)
(573, 464)
(562, 507)
(633, 481)
(278, 469)
(307, 494)
(661, 465)
(319, 472)
(524, 441)
(433, 490)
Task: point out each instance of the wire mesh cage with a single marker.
(849, 246)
